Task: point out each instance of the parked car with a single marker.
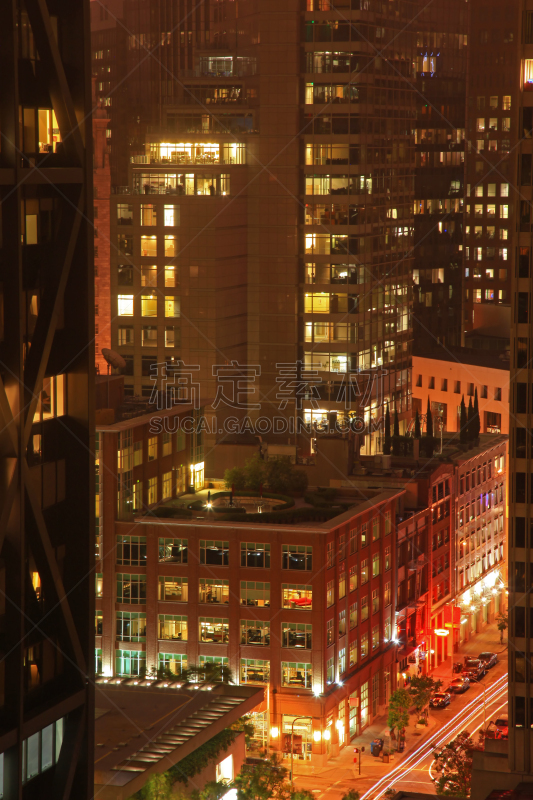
(474, 669)
(440, 700)
(459, 685)
(489, 659)
(498, 729)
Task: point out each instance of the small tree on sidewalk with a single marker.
(399, 704)
(421, 690)
(453, 765)
(502, 621)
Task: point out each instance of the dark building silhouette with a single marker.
(46, 425)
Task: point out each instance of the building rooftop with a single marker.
(209, 519)
(465, 355)
(148, 728)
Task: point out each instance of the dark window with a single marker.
(125, 244)
(527, 122)
(521, 352)
(520, 621)
(522, 311)
(147, 363)
(255, 554)
(131, 550)
(215, 553)
(520, 487)
(519, 712)
(525, 170)
(173, 551)
(297, 557)
(519, 576)
(528, 27)
(125, 275)
(520, 532)
(520, 442)
(520, 667)
(523, 262)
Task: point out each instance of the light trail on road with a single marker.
(466, 714)
(478, 714)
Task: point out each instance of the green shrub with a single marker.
(169, 512)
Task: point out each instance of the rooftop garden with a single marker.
(262, 492)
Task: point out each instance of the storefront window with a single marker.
(302, 735)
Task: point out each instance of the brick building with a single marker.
(305, 610)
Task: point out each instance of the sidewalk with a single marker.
(341, 773)
(341, 768)
(487, 640)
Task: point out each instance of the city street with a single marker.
(468, 711)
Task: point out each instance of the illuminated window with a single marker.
(152, 448)
(167, 485)
(148, 245)
(149, 305)
(148, 214)
(172, 664)
(214, 630)
(254, 671)
(528, 73)
(296, 634)
(213, 590)
(167, 443)
(130, 662)
(171, 246)
(125, 305)
(173, 589)
(255, 593)
(298, 675)
(171, 216)
(172, 337)
(152, 490)
(298, 596)
(256, 632)
(172, 306)
(149, 336)
(480, 124)
(171, 277)
(51, 399)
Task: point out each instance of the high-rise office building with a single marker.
(520, 614)
(319, 191)
(46, 368)
(492, 134)
(441, 69)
